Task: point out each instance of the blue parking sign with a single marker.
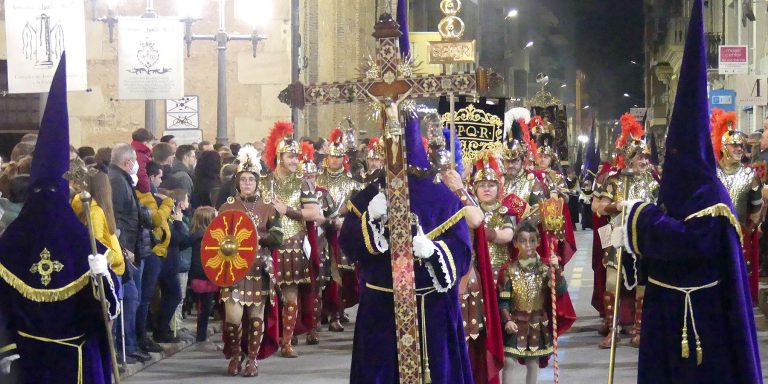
(724, 99)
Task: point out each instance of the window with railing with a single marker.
(714, 40)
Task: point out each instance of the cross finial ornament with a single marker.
(46, 267)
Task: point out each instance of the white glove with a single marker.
(377, 208)
(134, 180)
(98, 265)
(628, 204)
(617, 237)
(423, 247)
(5, 363)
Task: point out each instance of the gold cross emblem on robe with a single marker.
(46, 267)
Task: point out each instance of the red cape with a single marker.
(487, 352)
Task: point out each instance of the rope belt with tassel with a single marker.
(421, 293)
(686, 352)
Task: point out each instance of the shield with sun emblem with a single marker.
(229, 248)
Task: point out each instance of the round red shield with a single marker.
(229, 248)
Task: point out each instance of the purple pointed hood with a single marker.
(47, 221)
(416, 155)
(51, 156)
(690, 182)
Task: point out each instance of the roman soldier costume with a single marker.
(614, 187)
(255, 293)
(292, 271)
(744, 187)
(341, 186)
(320, 269)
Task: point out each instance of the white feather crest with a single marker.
(249, 159)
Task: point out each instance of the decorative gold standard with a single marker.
(451, 50)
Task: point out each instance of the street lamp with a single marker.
(626, 94)
(564, 85)
(512, 13)
(633, 62)
(255, 12)
(583, 139)
(586, 107)
(528, 45)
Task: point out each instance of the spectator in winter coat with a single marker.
(182, 170)
(141, 141)
(206, 178)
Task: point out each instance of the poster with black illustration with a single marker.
(151, 59)
(479, 126)
(37, 34)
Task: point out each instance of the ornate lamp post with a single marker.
(257, 12)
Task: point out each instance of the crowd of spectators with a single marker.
(152, 201)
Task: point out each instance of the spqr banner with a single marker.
(37, 33)
(479, 126)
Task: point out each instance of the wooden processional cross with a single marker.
(388, 80)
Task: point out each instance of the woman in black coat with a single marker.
(206, 178)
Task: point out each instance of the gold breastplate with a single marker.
(496, 218)
(527, 286)
(520, 185)
(288, 190)
(738, 184)
(339, 184)
(639, 187)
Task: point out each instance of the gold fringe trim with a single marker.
(44, 295)
(720, 210)
(444, 227)
(517, 352)
(449, 255)
(366, 236)
(354, 209)
(9, 347)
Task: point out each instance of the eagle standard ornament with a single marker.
(229, 248)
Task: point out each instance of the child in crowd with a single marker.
(525, 305)
(170, 286)
(203, 288)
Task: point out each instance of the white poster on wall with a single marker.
(151, 59)
(37, 33)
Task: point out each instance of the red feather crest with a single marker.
(307, 151)
(372, 143)
(536, 121)
(532, 148)
(720, 123)
(279, 131)
(630, 129)
(337, 136)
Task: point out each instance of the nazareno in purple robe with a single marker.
(374, 355)
(693, 242)
(56, 325)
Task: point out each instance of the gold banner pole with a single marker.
(615, 323)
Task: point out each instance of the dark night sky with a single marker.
(609, 35)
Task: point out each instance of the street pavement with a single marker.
(328, 363)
